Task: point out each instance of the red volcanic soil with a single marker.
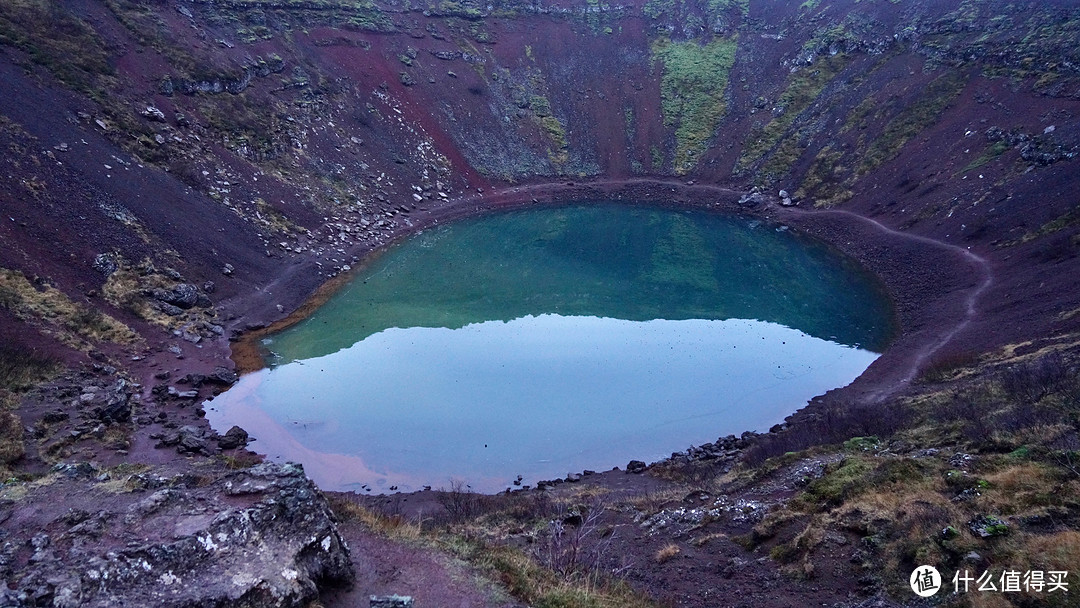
(963, 252)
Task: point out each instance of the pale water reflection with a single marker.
(537, 397)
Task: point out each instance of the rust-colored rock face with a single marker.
(177, 175)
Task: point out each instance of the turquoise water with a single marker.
(543, 342)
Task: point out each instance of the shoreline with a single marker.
(933, 296)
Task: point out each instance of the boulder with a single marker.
(988, 526)
(187, 440)
(636, 466)
(235, 437)
(112, 403)
(184, 295)
(154, 114)
(269, 548)
(753, 199)
(222, 375)
(169, 309)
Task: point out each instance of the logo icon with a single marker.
(925, 581)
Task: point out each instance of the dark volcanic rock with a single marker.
(391, 601)
(268, 550)
(117, 406)
(222, 375)
(235, 437)
(987, 526)
(187, 440)
(184, 295)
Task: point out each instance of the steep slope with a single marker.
(181, 173)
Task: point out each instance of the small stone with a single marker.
(391, 601)
(988, 526)
(234, 438)
(222, 375)
(153, 113)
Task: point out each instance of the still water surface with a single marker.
(548, 341)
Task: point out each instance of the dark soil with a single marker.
(965, 253)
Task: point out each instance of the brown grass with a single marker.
(74, 324)
(12, 447)
(667, 553)
(392, 526)
(1059, 551)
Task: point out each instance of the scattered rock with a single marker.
(175, 393)
(988, 526)
(752, 200)
(223, 376)
(966, 495)
(106, 263)
(972, 557)
(169, 309)
(81, 470)
(183, 296)
(187, 440)
(961, 461)
(153, 114)
(1038, 150)
(55, 416)
(391, 601)
(266, 550)
(234, 438)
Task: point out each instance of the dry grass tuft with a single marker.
(393, 526)
(74, 324)
(667, 553)
(12, 447)
(1059, 551)
(701, 541)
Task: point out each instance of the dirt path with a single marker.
(929, 280)
(971, 300)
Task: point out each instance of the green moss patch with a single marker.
(695, 77)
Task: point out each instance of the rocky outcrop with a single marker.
(259, 537)
(232, 83)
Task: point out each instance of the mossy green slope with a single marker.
(692, 87)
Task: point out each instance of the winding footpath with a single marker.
(674, 193)
(971, 300)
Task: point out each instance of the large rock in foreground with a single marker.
(264, 536)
